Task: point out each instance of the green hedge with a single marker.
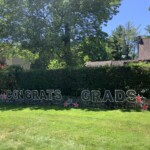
(72, 81)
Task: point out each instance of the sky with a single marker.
(135, 11)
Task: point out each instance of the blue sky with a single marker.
(135, 11)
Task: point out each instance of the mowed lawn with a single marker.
(39, 128)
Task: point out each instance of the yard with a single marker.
(52, 128)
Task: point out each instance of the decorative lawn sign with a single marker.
(70, 103)
(48, 95)
(96, 96)
(141, 102)
(87, 96)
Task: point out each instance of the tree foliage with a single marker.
(53, 28)
(148, 29)
(123, 41)
(92, 49)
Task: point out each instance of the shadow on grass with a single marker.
(18, 107)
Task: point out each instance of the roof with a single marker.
(98, 63)
(108, 63)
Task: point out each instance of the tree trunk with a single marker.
(67, 50)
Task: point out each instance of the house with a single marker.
(143, 55)
(144, 49)
(15, 61)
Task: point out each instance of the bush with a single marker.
(72, 81)
(139, 64)
(9, 76)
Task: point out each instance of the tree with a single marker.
(148, 29)
(122, 42)
(11, 30)
(92, 49)
(79, 19)
(52, 27)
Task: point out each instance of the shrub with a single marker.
(72, 81)
(55, 64)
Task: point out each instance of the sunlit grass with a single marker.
(73, 129)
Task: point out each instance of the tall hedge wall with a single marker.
(72, 81)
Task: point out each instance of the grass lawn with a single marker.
(45, 128)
